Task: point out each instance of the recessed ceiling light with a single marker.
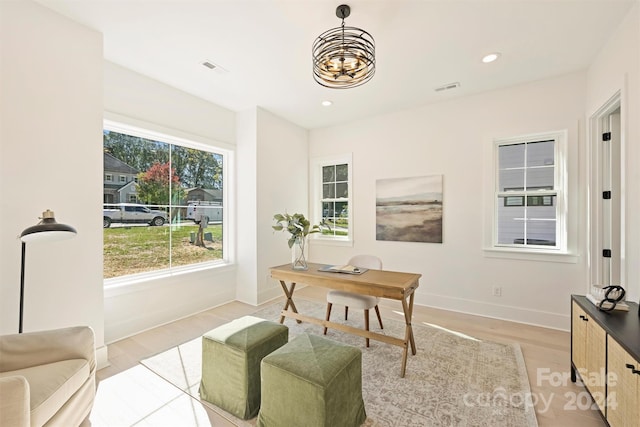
(327, 103)
(490, 57)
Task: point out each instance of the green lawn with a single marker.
(338, 227)
(137, 249)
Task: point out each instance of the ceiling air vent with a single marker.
(213, 66)
(447, 87)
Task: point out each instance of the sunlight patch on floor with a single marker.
(138, 397)
(399, 313)
(458, 334)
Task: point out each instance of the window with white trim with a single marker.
(332, 197)
(530, 193)
(151, 227)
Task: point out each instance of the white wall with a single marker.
(247, 201)
(617, 68)
(138, 100)
(283, 152)
(272, 178)
(138, 97)
(451, 138)
(51, 110)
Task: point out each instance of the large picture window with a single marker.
(529, 192)
(167, 209)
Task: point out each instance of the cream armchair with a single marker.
(47, 378)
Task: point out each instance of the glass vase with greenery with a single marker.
(299, 228)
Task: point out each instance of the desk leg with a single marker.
(289, 294)
(412, 340)
(408, 336)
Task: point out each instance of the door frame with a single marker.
(595, 170)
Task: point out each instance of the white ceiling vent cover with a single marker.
(448, 86)
(213, 66)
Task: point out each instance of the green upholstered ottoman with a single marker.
(312, 381)
(231, 356)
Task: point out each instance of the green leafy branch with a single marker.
(297, 225)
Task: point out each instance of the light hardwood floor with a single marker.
(130, 395)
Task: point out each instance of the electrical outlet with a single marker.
(497, 291)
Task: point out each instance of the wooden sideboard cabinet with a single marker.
(624, 386)
(605, 353)
(589, 354)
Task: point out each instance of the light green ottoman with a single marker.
(231, 356)
(312, 381)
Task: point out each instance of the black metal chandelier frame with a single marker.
(344, 57)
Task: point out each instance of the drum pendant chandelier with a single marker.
(344, 57)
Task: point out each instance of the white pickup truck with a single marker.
(129, 213)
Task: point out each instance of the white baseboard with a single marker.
(496, 311)
(102, 357)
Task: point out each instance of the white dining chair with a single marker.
(348, 299)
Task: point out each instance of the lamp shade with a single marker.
(48, 230)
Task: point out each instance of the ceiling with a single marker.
(264, 47)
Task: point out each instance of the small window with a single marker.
(123, 179)
(108, 177)
(529, 192)
(332, 203)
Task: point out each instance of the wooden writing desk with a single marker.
(377, 283)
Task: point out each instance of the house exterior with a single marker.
(119, 181)
(203, 195)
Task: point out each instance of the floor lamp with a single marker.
(46, 230)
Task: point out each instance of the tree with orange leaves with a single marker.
(159, 185)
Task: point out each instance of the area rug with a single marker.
(453, 380)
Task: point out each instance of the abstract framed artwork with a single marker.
(409, 209)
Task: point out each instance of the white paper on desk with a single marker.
(349, 269)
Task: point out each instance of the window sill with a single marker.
(331, 242)
(138, 282)
(531, 255)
